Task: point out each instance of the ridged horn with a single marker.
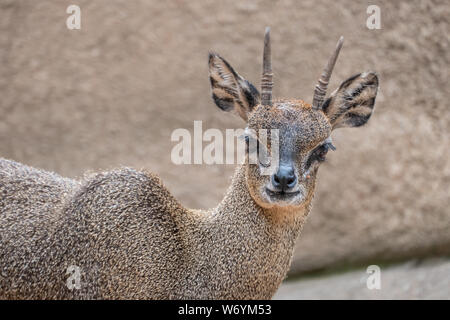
(320, 90)
(266, 80)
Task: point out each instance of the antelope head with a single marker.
(304, 130)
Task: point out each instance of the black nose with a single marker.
(285, 178)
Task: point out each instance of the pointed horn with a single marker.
(266, 80)
(321, 88)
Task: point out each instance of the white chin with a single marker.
(283, 199)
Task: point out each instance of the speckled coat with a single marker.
(132, 239)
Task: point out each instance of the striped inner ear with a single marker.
(351, 105)
(230, 91)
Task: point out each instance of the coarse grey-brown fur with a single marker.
(132, 239)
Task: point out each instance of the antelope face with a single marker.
(298, 135)
(286, 176)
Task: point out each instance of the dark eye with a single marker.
(319, 154)
(255, 147)
(254, 143)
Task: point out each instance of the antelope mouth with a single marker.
(281, 195)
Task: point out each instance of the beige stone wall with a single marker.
(111, 93)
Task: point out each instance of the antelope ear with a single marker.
(352, 104)
(230, 91)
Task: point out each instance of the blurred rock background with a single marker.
(111, 94)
